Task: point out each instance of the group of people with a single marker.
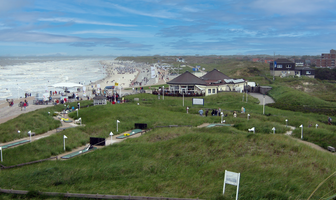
(217, 112)
(10, 102)
(214, 112)
(27, 95)
(23, 104)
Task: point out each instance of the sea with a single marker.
(20, 75)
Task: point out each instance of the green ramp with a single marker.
(15, 143)
(77, 153)
(132, 132)
(213, 125)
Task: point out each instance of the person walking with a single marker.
(200, 112)
(25, 105)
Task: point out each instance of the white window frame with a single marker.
(209, 91)
(279, 66)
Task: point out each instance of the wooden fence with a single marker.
(92, 196)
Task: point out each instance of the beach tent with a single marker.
(66, 85)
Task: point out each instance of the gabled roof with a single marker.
(214, 75)
(187, 78)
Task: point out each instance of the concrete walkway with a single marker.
(259, 96)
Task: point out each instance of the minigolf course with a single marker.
(89, 148)
(128, 134)
(213, 125)
(14, 144)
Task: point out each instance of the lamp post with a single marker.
(111, 134)
(273, 129)
(264, 105)
(183, 98)
(286, 122)
(77, 112)
(222, 117)
(1, 153)
(246, 96)
(274, 63)
(301, 126)
(64, 136)
(248, 116)
(117, 124)
(162, 92)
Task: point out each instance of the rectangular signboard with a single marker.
(231, 178)
(197, 101)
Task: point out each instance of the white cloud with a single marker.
(160, 14)
(292, 6)
(109, 32)
(79, 21)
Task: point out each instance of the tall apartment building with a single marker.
(327, 59)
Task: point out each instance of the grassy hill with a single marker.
(180, 162)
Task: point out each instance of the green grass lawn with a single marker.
(178, 162)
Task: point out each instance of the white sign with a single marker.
(231, 178)
(198, 101)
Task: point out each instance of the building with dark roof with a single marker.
(284, 67)
(211, 83)
(214, 75)
(186, 83)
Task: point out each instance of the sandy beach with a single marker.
(127, 74)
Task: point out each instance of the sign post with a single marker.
(301, 126)
(273, 129)
(64, 136)
(232, 178)
(1, 153)
(117, 124)
(111, 134)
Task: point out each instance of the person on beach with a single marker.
(25, 105)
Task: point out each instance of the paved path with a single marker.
(8, 113)
(259, 96)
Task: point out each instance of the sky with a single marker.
(166, 27)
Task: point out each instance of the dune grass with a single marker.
(180, 162)
(186, 162)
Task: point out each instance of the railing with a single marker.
(91, 196)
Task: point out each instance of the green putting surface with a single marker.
(213, 125)
(77, 153)
(133, 132)
(14, 144)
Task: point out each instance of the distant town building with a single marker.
(299, 63)
(180, 60)
(327, 59)
(285, 67)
